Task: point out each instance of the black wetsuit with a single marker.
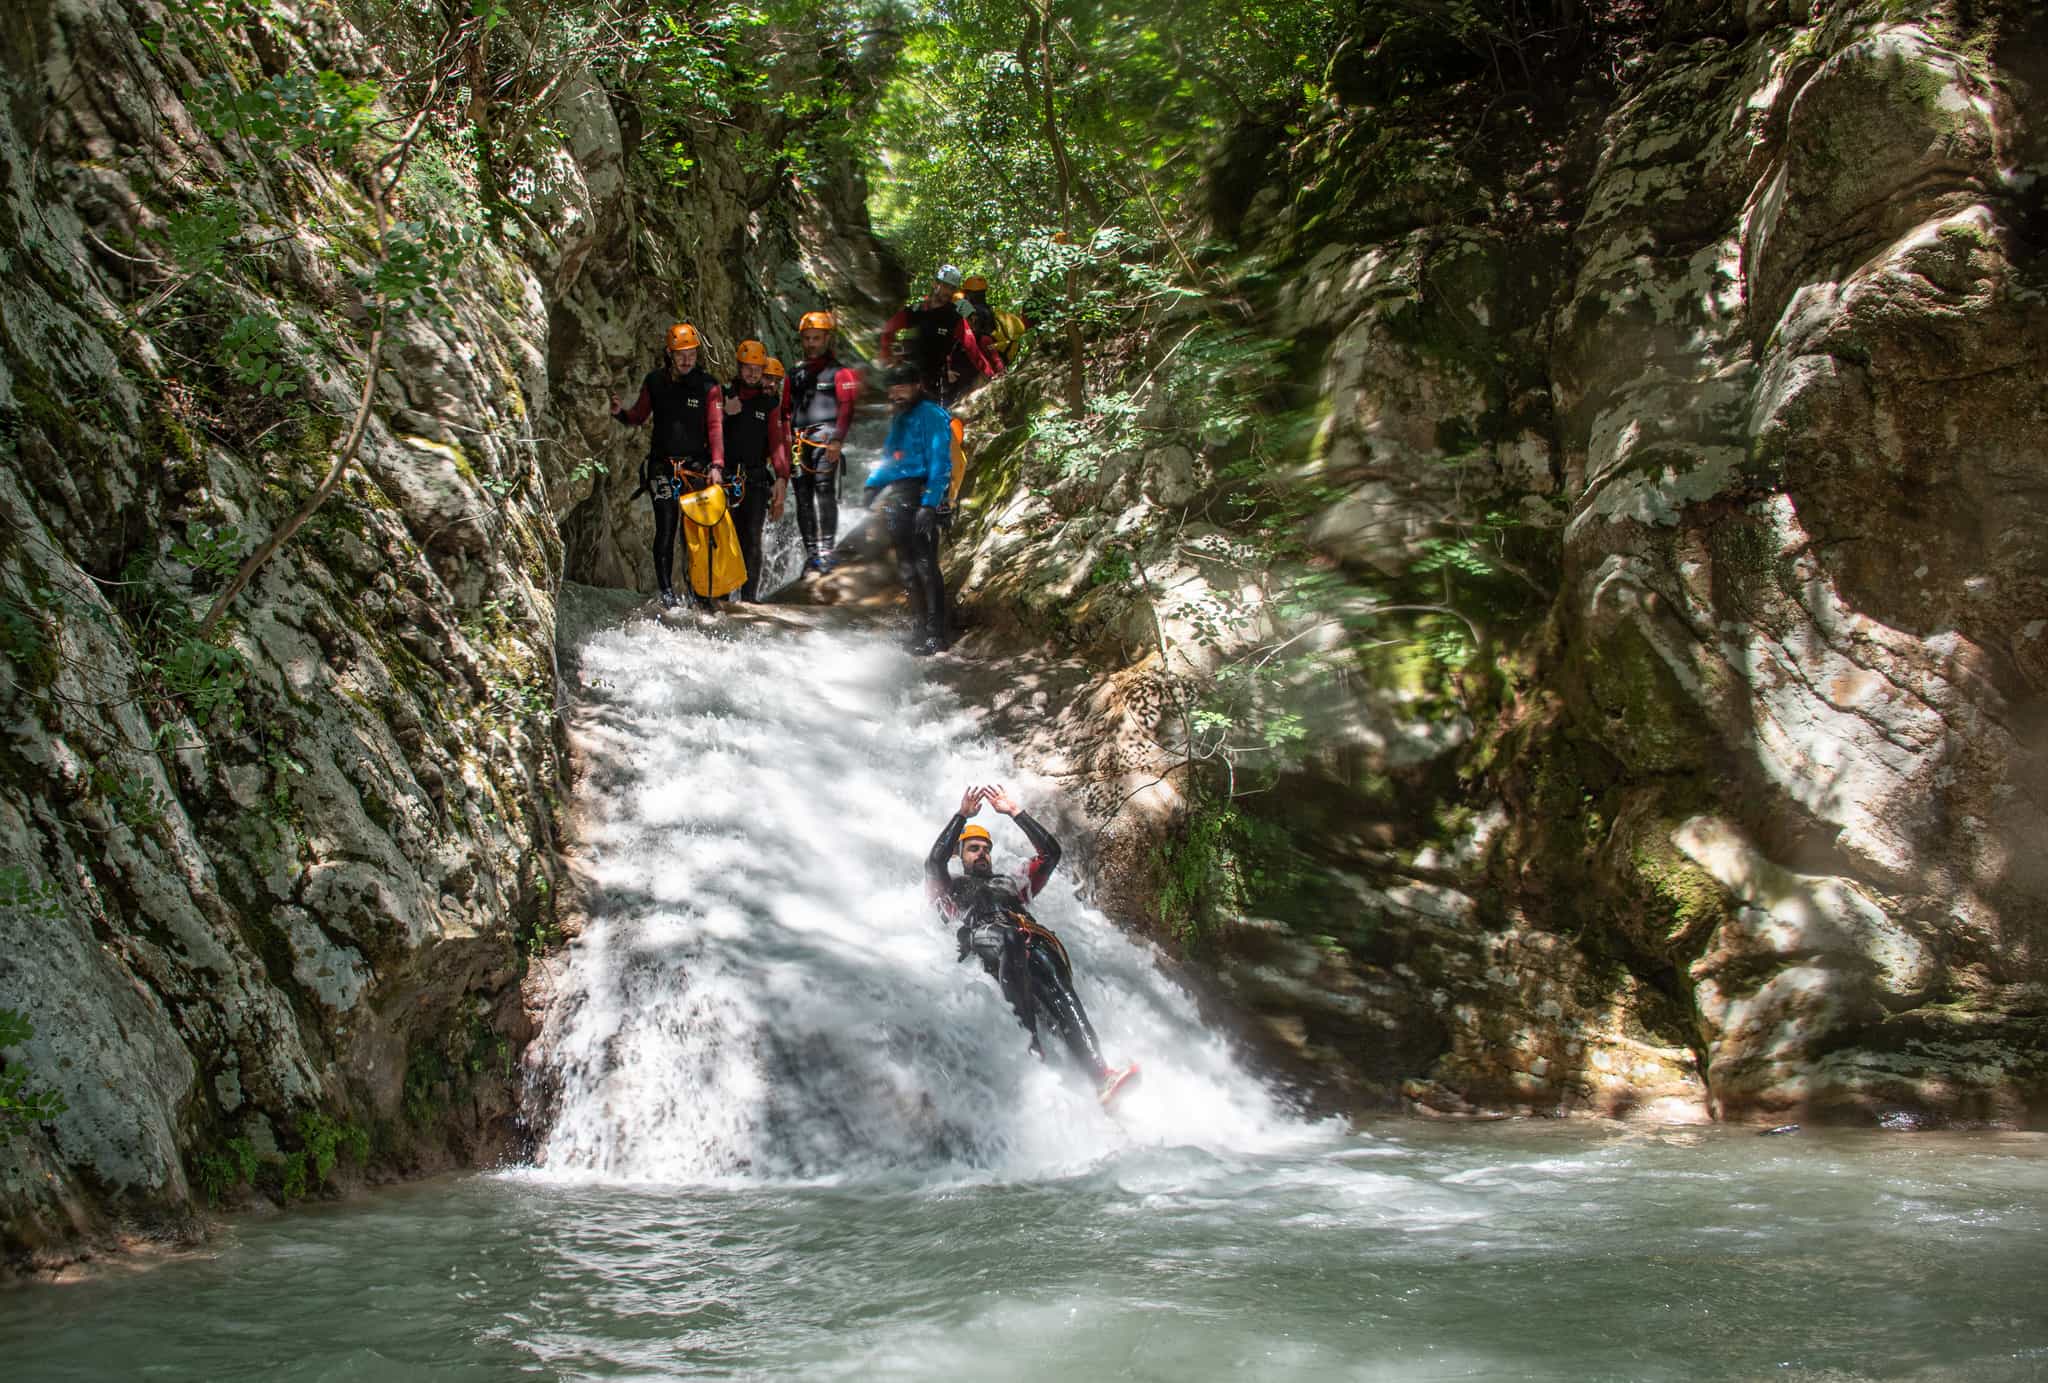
(818, 409)
(1028, 961)
(749, 442)
(685, 438)
(917, 560)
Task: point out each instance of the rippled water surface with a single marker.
(1407, 1251)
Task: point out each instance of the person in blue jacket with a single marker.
(914, 483)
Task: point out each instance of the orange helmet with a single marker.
(816, 321)
(753, 353)
(683, 337)
(773, 369)
(1062, 238)
(973, 832)
(977, 284)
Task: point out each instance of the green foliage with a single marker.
(256, 355)
(180, 673)
(22, 1104)
(515, 700)
(25, 637)
(290, 1176)
(427, 1075)
(216, 1177)
(293, 112)
(786, 84)
(133, 800)
(207, 679)
(963, 168)
(540, 935)
(439, 182)
(217, 551)
(325, 1140)
(1223, 863)
(489, 1053)
(1113, 569)
(197, 239)
(418, 257)
(221, 1172)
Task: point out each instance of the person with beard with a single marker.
(817, 408)
(686, 450)
(988, 910)
(915, 483)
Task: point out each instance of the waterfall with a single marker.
(762, 989)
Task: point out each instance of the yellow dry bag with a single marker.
(1008, 333)
(711, 545)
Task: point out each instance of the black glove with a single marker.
(639, 492)
(946, 517)
(927, 521)
(965, 949)
(867, 496)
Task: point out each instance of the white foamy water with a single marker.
(764, 991)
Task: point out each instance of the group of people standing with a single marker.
(759, 435)
(769, 431)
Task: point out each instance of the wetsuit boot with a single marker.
(751, 519)
(803, 485)
(1052, 983)
(917, 564)
(667, 519)
(828, 517)
(816, 483)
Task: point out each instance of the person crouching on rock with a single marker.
(755, 453)
(913, 482)
(686, 450)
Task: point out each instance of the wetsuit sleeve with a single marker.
(778, 442)
(964, 337)
(714, 424)
(938, 877)
(889, 330)
(637, 414)
(846, 389)
(1045, 861)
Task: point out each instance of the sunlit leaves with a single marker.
(255, 355)
(963, 170)
(198, 239)
(291, 112)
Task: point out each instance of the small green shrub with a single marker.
(22, 1104)
(325, 1141)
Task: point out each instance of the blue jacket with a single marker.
(919, 447)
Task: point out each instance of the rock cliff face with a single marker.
(269, 903)
(1749, 813)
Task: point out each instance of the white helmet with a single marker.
(948, 275)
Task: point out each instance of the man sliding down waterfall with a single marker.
(1027, 960)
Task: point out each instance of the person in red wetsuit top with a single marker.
(936, 338)
(755, 453)
(817, 403)
(988, 910)
(686, 450)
